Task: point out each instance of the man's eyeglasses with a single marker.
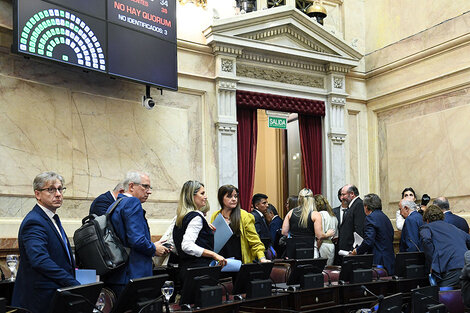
(145, 186)
(53, 190)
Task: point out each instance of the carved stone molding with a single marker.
(263, 58)
(279, 76)
(292, 33)
(338, 101)
(226, 65)
(338, 82)
(227, 49)
(337, 139)
(227, 128)
(337, 68)
(227, 85)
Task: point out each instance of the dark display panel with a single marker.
(136, 42)
(151, 61)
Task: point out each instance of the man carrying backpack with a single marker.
(131, 227)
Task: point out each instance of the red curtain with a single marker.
(310, 130)
(247, 137)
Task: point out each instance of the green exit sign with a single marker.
(277, 122)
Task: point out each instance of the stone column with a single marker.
(226, 86)
(336, 133)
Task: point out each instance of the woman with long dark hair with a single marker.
(244, 244)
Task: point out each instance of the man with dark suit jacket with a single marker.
(274, 221)
(409, 240)
(352, 219)
(338, 211)
(100, 205)
(450, 217)
(131, 226)
(46, 259)
(444, 246)
(378, 234)
(260, 205)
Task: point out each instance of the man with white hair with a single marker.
(131, 226)
(409, 240)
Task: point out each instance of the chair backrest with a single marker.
(452, 300)
(109, 299)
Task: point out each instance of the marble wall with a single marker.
(93, 129)
(424, 145)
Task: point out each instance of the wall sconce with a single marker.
(199, 3)
(316, 10)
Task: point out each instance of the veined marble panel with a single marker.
(93, 141)
(424, 145)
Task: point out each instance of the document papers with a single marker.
(357, 242)
(222, 234)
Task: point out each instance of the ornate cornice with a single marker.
(292, 33)
(263, 58)
(279, 76)
(337, 68)
(217, 48)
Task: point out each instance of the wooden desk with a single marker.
(275, 302)
(306, 300)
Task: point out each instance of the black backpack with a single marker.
(97, 246)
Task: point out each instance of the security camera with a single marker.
(147, 102)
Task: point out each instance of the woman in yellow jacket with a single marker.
(244, 244)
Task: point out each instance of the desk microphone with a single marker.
(379, 297)
(415, 244)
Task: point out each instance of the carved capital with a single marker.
(336, 138)
(227, 85)
(227, 128)
(338, 101)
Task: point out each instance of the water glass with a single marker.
(167, 290)
(12, 263)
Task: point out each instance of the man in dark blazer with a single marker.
(131, 226)
(260, 205)
(46, 259)
(444, 246)
(409, 240)
(352, 219)
(100, 205)
(450, 217)
(338, 211)
(378, 234)
(274, 221)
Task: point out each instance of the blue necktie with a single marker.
(64, 237)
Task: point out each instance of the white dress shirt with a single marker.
(188, 245)
(51, 214)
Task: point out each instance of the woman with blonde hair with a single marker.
(192, 235)
(328, 221)
(304, 220)
(244, 244)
